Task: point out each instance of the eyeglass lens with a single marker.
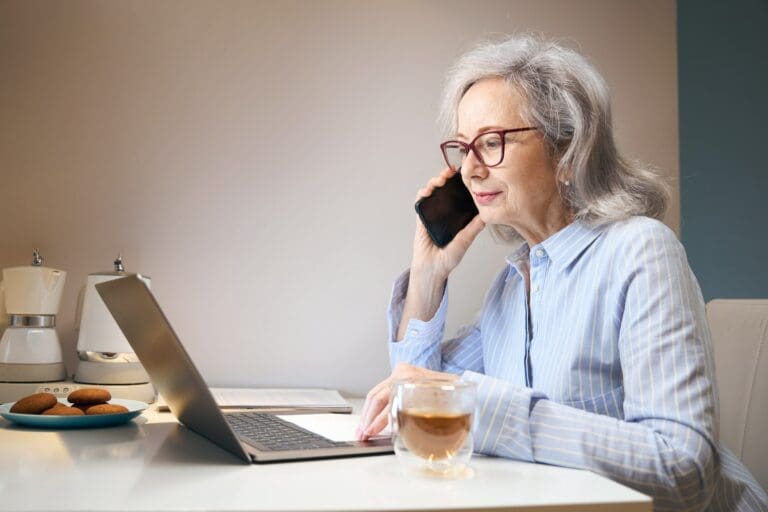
(488, 148)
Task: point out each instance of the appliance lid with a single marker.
(36, 265)
(119, 270)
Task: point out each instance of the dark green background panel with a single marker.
(723, 84)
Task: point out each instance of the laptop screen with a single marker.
(172, 371)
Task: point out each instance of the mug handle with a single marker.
(393, 409)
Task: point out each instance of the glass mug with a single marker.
(432, 424)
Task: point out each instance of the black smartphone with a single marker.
(447, 211)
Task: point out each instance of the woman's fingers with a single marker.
(365, 428)
(467, 235)
(435, 182)
(369, 404)
(447, 172)
(376, 401)
(378, 424)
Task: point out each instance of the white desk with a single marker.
(153, 463)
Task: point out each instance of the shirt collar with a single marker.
(516, 260)
(520, 255)
(562, 248)
(568, 244)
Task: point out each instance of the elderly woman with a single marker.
(592, 348)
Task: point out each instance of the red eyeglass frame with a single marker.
(471, 146)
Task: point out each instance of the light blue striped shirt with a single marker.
(608, 368)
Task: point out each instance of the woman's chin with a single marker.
(488, 215)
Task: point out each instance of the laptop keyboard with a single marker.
(270, 433)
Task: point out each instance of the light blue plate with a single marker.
(94, 421)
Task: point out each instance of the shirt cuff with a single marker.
(501, 425)
(420, 345)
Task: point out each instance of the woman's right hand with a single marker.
(431, 265)
(433, 260)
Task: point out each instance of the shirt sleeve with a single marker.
(422, 345)
(665, 445)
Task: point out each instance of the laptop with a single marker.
(251, 436)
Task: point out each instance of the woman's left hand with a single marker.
(376, 409)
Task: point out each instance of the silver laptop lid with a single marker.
(151, 336)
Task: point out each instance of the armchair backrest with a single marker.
(740, 338)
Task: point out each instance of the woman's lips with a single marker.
(484, 198)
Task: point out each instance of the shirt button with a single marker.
(536, 288)
(413, 332)
(539, 253)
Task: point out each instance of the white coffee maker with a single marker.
(30, 353)
(104, 357)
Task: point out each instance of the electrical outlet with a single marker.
(58, 389)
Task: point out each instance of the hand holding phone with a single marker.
(447, 211)
(447, 214)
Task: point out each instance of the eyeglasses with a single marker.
(488, 148)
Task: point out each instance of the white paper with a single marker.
(279, 398)
(336, 427)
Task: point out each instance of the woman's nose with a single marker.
(472, 167)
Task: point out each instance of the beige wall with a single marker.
(259, 159)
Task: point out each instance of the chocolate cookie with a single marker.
(63, 410)
(89, 396)
(106, 409)
(34, 404)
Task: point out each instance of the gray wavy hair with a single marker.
(567, 100)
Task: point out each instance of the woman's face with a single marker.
(521, 192)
